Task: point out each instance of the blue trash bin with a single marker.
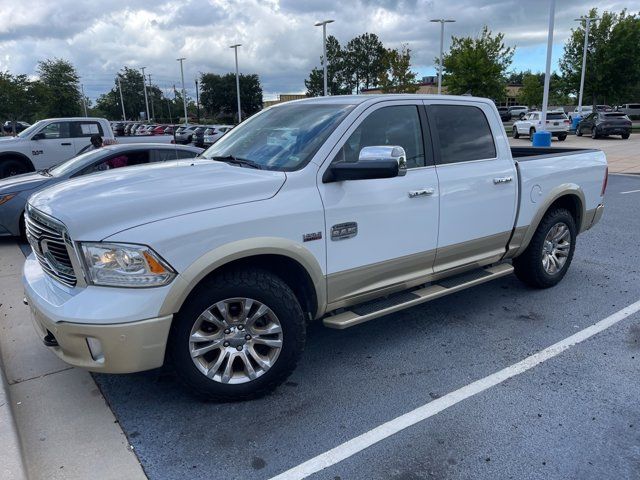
(541, 139)
(574, 123)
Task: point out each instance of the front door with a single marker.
(380, 235)
(478, 185)
(54, 146)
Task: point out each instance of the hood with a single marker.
(20, 183)
(97, 206)
(9, 139)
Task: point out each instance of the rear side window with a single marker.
(86, 129)
(463, 133)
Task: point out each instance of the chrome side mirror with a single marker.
(385, 153)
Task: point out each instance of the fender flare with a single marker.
(187, 280)
(18, 155)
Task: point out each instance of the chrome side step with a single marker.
(377, 308)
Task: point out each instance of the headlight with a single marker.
(7, 197)
(123, 265)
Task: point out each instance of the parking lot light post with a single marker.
(144, 84)
(124, 115)
(324, 52)
(153, 110)
(184, 95)
(441, 21)
(547, 74)
(235, 47)
(587, 25)
(84, 100)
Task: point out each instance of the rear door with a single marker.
(477, 182)
(55, 146)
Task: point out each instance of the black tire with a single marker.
(531, 132)
(515, 133)
(12, 166)
(625, 136)
(578, 131)
(562, 138)
(528, 266)
(594, 133)
(261, 286)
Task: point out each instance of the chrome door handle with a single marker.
(425, 192)
(499, 180)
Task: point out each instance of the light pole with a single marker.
(184, 95)
(235, 47)
(441, 21)
(144, 84)
(324, 50)
(587, 21)
(84, 100)
(124, 115)
(153, 110)
(197, 100)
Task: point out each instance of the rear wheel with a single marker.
(532, 131)
(594, 133)
(515, 132)
(578, 131)
(562, 138)
(547, 258)
(238, 337)
(12, 166)
(625, 136)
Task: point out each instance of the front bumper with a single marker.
(72, 319)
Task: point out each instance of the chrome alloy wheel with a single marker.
(555, 249)
(235, 340)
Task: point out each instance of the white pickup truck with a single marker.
(52, 141)
(338, 209)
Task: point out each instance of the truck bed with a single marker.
(532, 153)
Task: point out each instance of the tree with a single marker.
(218, 95)
(132, 92)
(363, 62)
(477, 65)
(62, 82)
(397, 76)
(532, 89)
(613, 66)
(336, 84)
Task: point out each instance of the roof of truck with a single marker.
(372, 98)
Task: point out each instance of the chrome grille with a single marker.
(51, 246)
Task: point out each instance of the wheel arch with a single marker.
(569, 196)
(290, 261)
(17, 156)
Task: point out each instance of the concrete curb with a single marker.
(11, 462)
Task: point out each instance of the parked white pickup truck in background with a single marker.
(49, 142)
(339, 209)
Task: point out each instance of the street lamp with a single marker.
(543, 138)
(324, 50)
(441, 21)
(184, 95)
(587, 21)
(144, 83)
(235, 47)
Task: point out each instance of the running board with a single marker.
(377, 308)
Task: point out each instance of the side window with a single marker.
(122, 159)
(56, 130)
(398, 126)
(185, 154)
(86, 129)
(463, 133)
(168, 154)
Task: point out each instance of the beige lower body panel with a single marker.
(126, 347)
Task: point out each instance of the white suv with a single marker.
(557, 123)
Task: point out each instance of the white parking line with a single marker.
(367, 439)
(630, 191)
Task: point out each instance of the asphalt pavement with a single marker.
(574, 416)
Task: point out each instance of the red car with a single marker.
(157, 130)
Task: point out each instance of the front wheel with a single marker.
(594, 133)
(625, 136)
(578, 131)
(238, 337)
(562, 138)
(11, 167)
(532, 131)
(515, 133)
(547, 258)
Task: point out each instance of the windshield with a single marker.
(77, 163)
(281, 138)
(32, 129)
(555, 116)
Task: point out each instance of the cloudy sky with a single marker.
(279, 40)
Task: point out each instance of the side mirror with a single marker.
(38, 136)
(373, 162)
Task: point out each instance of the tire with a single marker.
(12, 166)
(562, 138)
(516, 135)
(531, 132)
(594, 133)
(625, 136)
(578, 131)
(530, 267)
(235, 289)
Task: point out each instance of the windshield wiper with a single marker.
(46, 171)
(237, 161)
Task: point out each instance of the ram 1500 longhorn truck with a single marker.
(339, 209)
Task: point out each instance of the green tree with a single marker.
(218, 95)
(397, 76)
(132, 92)
(532, 89)
(19, 98)
(62, 82)
(613, 65)
(477, 65)
(336, 84)
(364, 59)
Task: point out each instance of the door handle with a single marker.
(425, 192)
(499, 180)
(65, 144)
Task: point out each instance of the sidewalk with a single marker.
(66, 429)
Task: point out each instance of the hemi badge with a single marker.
(309, 237)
